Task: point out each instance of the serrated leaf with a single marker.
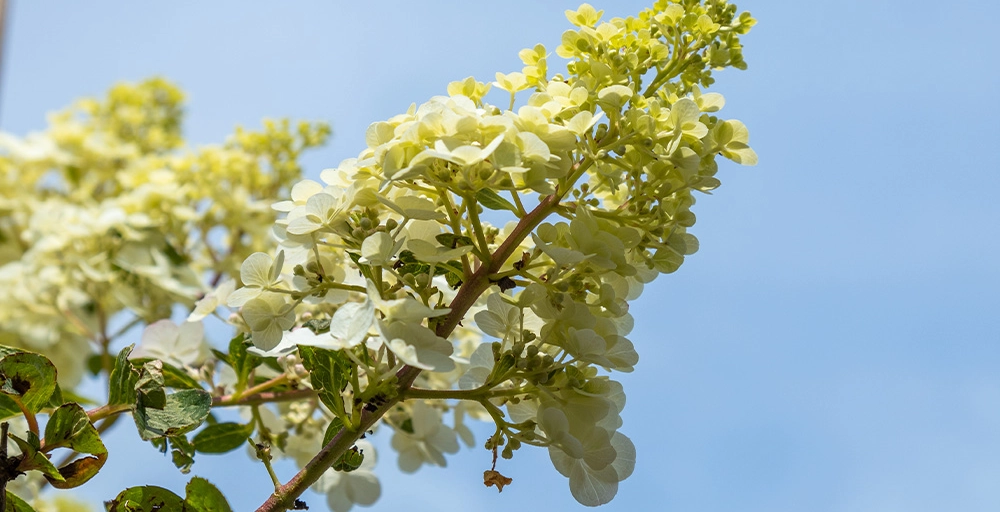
(148, 498)
(31, 377)
(328, 372)
(69, 427)
(222, 437)
(490, 199)
(202, 496)
(183, 412)
(122, 382)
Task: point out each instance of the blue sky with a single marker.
(835, 344)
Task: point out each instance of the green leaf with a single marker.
(183, 412)
(222, 437)
(490, 199)
(69, 427)
(148, 498)
(57, 398)
(8, 407)
(242, 361)
(123, 379)
(454, 272)
(202, 496)
(173, 377)
(221, 356)
(181, 453)
(350, 460)
(149, 387)
(33, 458)
(328, 372)
(453, 241)
(16, 504)
(331, 430)
(32, 377)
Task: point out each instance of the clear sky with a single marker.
(835, 345)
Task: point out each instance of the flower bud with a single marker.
(517, 348)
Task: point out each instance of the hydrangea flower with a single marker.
(428, 442)
(181, 346)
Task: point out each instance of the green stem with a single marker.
(484, 249)
(264, 454)
(106, 411)
(521, 212)
(263, 386)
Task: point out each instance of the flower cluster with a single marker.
(106, 212)
(390, 265)
(472, 262)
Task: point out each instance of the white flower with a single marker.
(258, 272)
(417, 345)
(406, 309)
(268, 316)
(379, 248)
(590, 486)
(212, 300)
(301, 192)
(431, 253)
(348, 328)
(480, 366)
(429, 441)
(358, 487)
(180, 346)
